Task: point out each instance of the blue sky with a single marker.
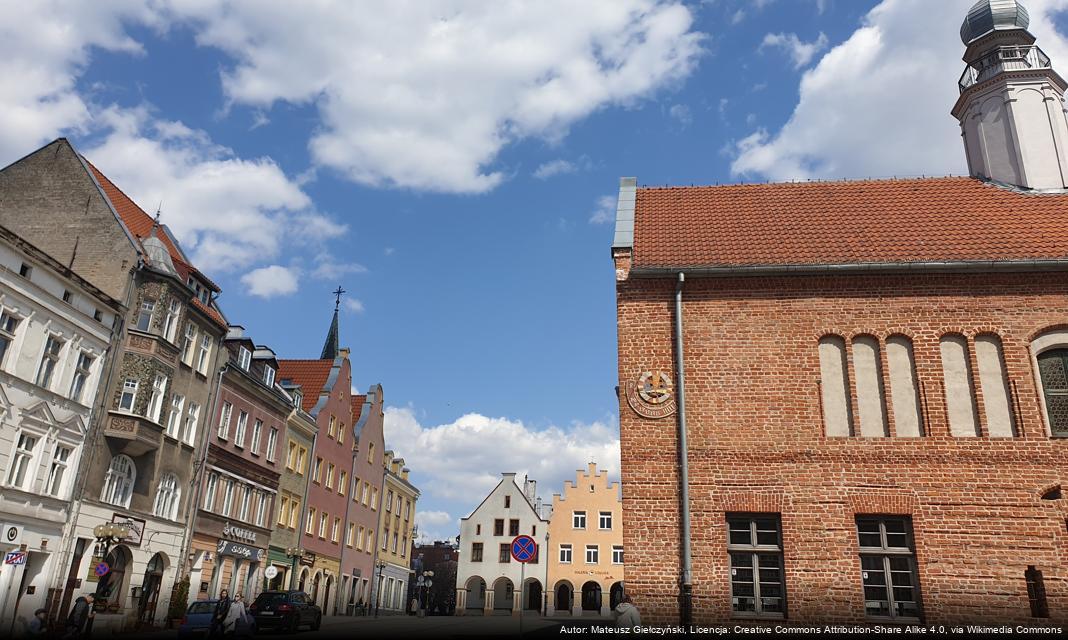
(454, 168)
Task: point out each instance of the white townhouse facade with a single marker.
(487, 577)
(55, 331)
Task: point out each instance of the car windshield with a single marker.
(270, 599)
(203, 606)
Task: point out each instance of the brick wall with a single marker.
(757, 443)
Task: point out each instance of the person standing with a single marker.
(627, 616)
(236, 617)
(80, 617)
(39, 625)
(218, 617)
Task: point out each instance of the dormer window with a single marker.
(298, 399)
(268, 376)
(244, 357)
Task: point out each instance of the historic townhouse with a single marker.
(363, 533)
(141, 448)
(55, 329)
(870, 377)
(326, 385)
(396, 526)
(487, 576)
(283, 553)
(234, 520)
(586, 553)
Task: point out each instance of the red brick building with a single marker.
(872, 384)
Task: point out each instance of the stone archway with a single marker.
(564, 597)
(316, 583)
(150, 588)
(503, 596)
(326, 592)
(591, 598)
(302, 581)
(476, 595)
(532, 596)
(615, 595)
(114, 585)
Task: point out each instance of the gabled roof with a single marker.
(869, 222)
(311, 375)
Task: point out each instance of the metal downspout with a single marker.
(686, 594)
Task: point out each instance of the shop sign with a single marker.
(136, 528)
(227, 548)
(231, 531)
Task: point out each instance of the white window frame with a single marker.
(210, 488)
(578, 519)
(242, 427)
(168, 495)
(192, 417)
(129, 391)
(268, 376)
(50, 359)
(596, 551)
(228, 498)
(261, 508)
(225, 416)
(155, 403)
(119, 481)
(82, 370)
(23, 460)
(174, 416)
(8, 317)
(617, 554)
(56, 482)
(244, 358)
(204, 353)
(189, 342)
(170, 324)
(601, 518)
(246, 503)
(566, 554)
(257, 434)
(148, 308)
(272, 444)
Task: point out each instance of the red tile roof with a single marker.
(311, 375)
(140, 225)
(357, 407)
(872, 221)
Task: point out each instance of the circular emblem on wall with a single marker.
(651, 395)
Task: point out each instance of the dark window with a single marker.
(25, 270)
(1053, 494)
(1053, 369)
(754, 543)
(513, 527)
(1036, 593)
(505, 553)
(66, 296)
(888, 567)
(478, 529)
(507, 502)
(498, 527)
(476, 552)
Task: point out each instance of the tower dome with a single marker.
(993, 15)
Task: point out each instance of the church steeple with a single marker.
(330, 347)
(1011, 105)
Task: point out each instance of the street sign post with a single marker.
(15, 557)
(524, 549)
(270, 572)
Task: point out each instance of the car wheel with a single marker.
(318, 622)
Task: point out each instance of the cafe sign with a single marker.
(247, 535)
(227, 548)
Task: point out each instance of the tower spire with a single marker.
(330, 348)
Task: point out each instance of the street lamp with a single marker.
(108, 534)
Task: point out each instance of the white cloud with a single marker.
(738, 16)
(425, 95)
(44, 48)
(228, 212)
(552, 168)
(681, 113)
(328, 268)
(353, 305)
(269, 282)
(800, 52)
(605, 211)
(878, 104)
(462, 461)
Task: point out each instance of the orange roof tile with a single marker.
(311, 375)
(871, 221)
(357, 407)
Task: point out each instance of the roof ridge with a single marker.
(809, 182)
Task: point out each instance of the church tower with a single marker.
(1011, 105)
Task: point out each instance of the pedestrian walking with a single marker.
(627, 616)
(80, 617)
(39, 625)
(218, 617)
(237, 619)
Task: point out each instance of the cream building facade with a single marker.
(392, 572)
(586, 546)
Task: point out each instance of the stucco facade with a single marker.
(585, 552)
(396, 525)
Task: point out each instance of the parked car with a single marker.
(197, 620)
(286, 610)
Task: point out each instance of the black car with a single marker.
(285, 610)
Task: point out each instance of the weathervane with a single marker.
(338, 292)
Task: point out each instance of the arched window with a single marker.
(960, 394)
(995, 386)
(167, 497)
(871, 405)
(904, 390)
(837, 410)
(1053, 370)
(119, 481)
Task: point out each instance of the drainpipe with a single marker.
(303, 508)
(198, 468)
(686, 594)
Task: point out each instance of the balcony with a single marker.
(132, 434)
(1001, 59)
(152, 345)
